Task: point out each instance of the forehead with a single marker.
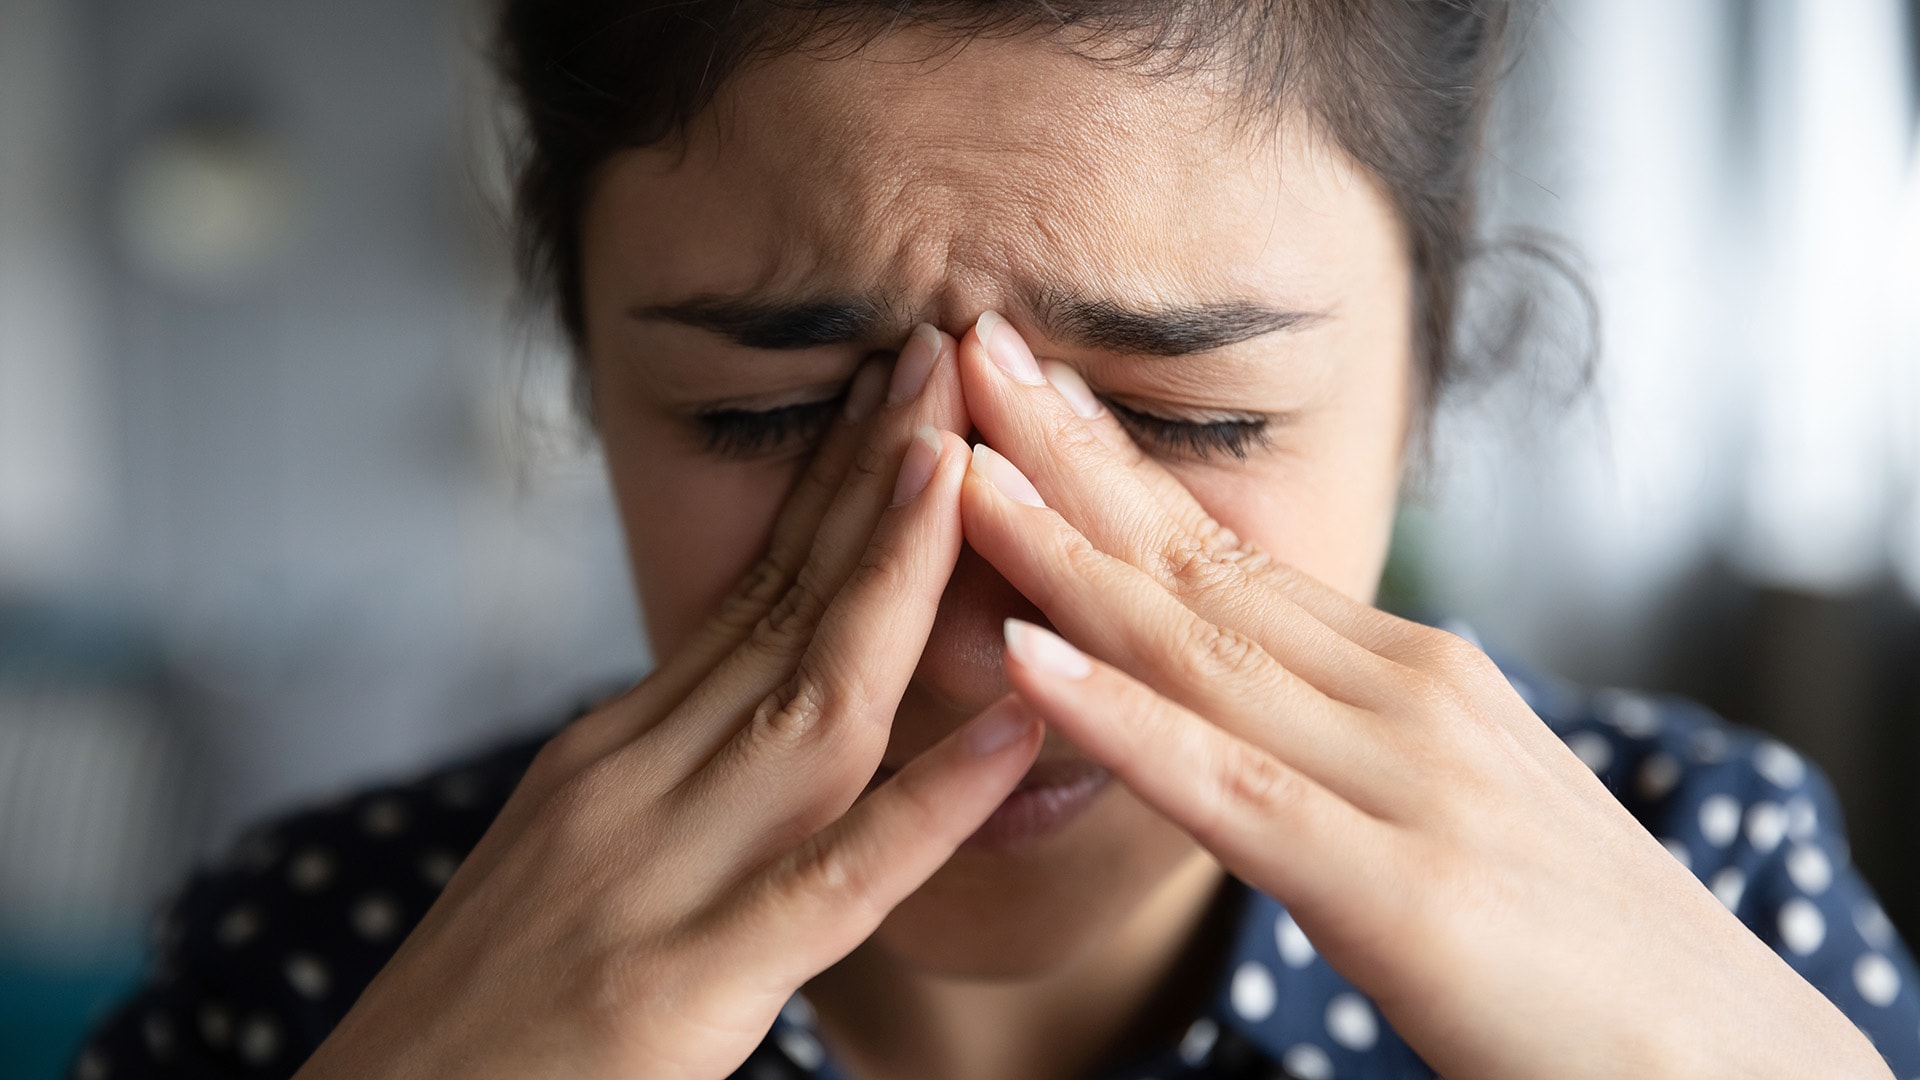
(955, 178)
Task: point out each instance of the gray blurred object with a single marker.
(101, 793)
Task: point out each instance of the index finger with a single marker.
(1055, 437)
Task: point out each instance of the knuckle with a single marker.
(836, 876)
(1085, 561)
(788, 625)
(873, 464)
(1213, 652)
(1249, 779)
(757, 591)
(793, 715)
(562, 757)
(1444, 651)
(1193, 567)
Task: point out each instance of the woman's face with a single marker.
(1112, 219)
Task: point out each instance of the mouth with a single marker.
(1048, 797)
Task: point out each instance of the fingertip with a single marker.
(1044, 652)
(1073, 389)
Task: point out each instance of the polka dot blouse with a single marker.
(259, 957)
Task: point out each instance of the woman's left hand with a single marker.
(1442, 848)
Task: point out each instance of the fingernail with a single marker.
(1045, 651)
(1004, 475)
(915, 363)
(916, 468)
(998, 728)
(868, 384)
(1072, 387)
(1009, 353)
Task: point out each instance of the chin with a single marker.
(1008, 915)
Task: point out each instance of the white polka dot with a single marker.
(1873, 924)
(375, 918)
(1295, 950)
(384, 816)
(798, 1011)
(216, 1025)
(1308, 1062)
(310, 870)
(306, 974)
(237, 927)
(437, 867)
(1657, 776)
(1728, 886)
(1802, 927)
(1351, 1023)
(1633, 714)
(1719, 819)
(91, 1065)
(1709, 744)
(1592, 749)
(1198, 1042)
(259, 1040)
(1253, 992)
(157, 1030)
(1877, 979)
(1810, 869)
(801, 1048)
(1766, 824)
(1802, 819)
(1778, 764)
(1678, 850)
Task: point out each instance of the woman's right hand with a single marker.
(676, 864)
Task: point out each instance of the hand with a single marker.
(675, 865)
(1440, 846)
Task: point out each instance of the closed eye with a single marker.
(1196, 440)
(743, 434)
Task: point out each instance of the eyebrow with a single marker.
(1101, 324)
(1161, 330)
(755, 324)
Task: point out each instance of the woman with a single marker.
(1078, 751)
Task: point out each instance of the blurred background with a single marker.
(291, 495)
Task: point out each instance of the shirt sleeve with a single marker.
(1762, 828)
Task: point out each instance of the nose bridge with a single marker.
(959, 261)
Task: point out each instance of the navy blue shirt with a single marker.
(259, 957)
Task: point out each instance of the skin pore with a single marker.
(1238, 296)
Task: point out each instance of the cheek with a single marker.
(1324, 504)
(693, 530)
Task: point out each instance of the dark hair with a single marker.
(1401, 85)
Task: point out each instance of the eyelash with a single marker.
(741, 434)
(1195, 439)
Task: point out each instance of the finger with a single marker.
(765, 660)
(1369, 626)
(616, 722)
(1268, 822)
(813, 741)
(1078, 469)
(816, 902)
(1129, 618)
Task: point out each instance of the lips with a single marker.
(1050, 795)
